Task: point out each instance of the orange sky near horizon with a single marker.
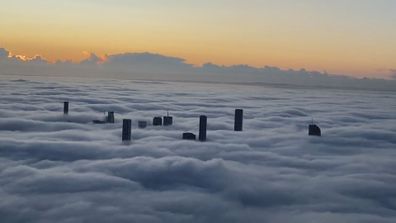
(353, 38)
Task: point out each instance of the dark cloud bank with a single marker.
(158, 67)
(65, 169)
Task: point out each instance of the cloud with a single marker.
(92, 59)
(393, 73)
(147, 63)
(66, 169)
(149, 66)
(4, 53)
(38, 60)
(6, 56)
(143, 58)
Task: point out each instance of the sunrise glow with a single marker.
(354, 37)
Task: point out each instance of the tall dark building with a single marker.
(202, 128)
(110, 117)
(168, 120)
(238, 123)
(126, 130)
(157, 121)
(314, 130)
(66, 107)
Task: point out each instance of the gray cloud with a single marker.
(393, 73)
(127, 59)
(93, 59)
(3, 53)
(148, 66)
(65, 169)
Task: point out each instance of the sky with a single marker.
(354, 37)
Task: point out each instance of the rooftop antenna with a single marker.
(168, 120)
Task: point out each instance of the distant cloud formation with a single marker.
(3, 53)
(143, 58)
(65, 169)
(151, 66)
(147, 62)
(92, 59)
(393, 73)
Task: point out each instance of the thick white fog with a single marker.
(56, 168)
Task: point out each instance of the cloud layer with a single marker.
(148, 66)
(65, 169)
